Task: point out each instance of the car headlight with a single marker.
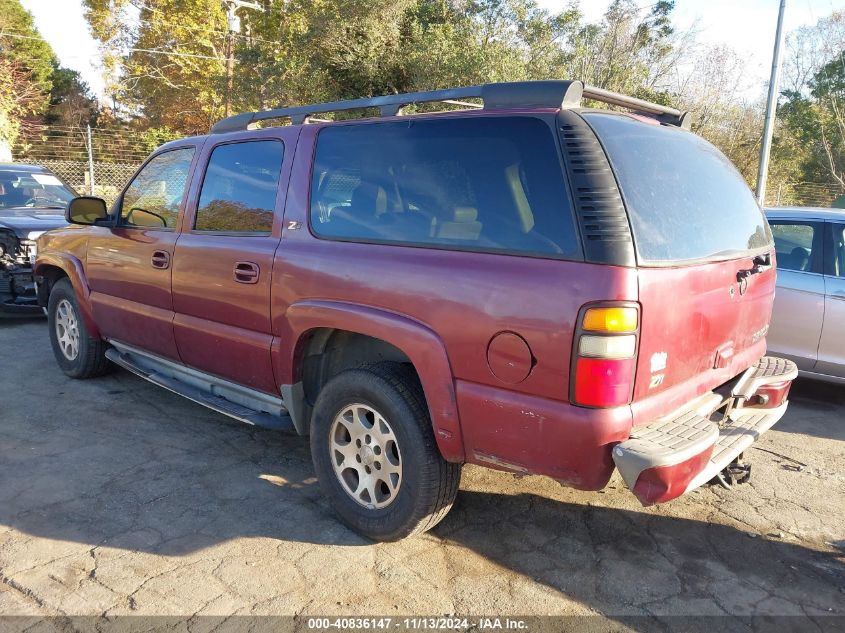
(34, 235)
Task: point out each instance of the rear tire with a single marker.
(78, 354)
(375, 454)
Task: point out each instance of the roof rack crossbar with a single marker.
(465, 104)
(544, 94)
(388, 105)
(667, 114)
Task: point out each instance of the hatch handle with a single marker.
(762, 263)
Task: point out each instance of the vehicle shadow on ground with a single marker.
(9, 321)
(809, 402)
(152, 484)
(617, 560)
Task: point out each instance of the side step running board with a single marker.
(220, 404)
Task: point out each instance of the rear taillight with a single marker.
(604, 356)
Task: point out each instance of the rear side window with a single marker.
(488, 184)
(685, 200)
(239, 190)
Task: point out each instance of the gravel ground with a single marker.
(117, 497)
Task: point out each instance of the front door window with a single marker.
(153, 198)
(795, 244)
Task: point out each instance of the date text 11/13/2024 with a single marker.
(417, 623)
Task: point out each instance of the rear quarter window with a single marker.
(686, 201)
(477, 183)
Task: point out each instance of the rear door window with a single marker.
(480, 183)
(686, 202)
(239, 189)
(797, 245)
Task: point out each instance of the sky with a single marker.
(63, 25)
(748, 26)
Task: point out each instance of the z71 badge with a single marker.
(658, 363)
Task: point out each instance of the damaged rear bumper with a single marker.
(663, 460)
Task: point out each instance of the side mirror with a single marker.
(87, 210)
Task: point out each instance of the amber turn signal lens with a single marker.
(610, 320)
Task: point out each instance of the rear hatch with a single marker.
(703, 249)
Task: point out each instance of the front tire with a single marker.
(375, 454)
(78, 354)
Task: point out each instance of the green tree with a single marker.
(301, 51)
(71, 101)
(167, 56)
(21, 42)
(810, 139)
(27, 64)
(827, 89)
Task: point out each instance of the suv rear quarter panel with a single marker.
(528, 423)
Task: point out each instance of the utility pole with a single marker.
(234, 24)
(771, 107)
(89, 146)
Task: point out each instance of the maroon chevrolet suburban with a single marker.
(517, 282)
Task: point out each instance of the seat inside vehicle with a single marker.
(463, 225)
(799, 259)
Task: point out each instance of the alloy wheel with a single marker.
(67, 329)
(365, 456)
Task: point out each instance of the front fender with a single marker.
(74, 270)
(419, 343)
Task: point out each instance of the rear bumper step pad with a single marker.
(747, 425)
(666, 458)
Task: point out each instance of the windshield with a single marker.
(685, 200)
(32, 189)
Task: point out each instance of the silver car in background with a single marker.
(808, 320)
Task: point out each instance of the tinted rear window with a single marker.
(476, 183)
(685, 199)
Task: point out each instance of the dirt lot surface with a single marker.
(117, 497)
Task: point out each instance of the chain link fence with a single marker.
(82, 155)
(804, 194)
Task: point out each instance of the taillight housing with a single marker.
(604, 354)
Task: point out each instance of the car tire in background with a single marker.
(375, 454)
(79, 354)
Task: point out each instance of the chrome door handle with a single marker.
(160, 259)
(246, 272)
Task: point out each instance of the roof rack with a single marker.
(496, 96)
